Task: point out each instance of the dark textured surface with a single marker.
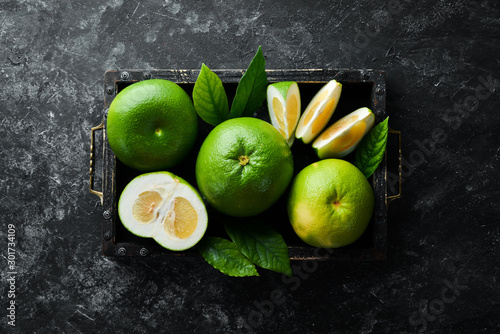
(443, 81)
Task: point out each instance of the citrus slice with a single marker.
(283, 103)
(342, 137)
(318, 112)
(164, 207)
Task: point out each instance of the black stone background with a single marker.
(442, 62)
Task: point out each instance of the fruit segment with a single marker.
(164, 207)
(283, 103)
(318, 112)
(343, 136)
(145, 206)
(182, 220)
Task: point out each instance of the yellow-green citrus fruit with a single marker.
(152, 125)
(330, 203)
(163, 206)
(243, 167)
(283, 104)
(343, 136)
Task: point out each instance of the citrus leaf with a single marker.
(263, 245)
(371, 149)
(223, 255)
(209, 97)
(251, 90)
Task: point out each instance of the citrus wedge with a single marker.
(283, 103)
(342, 137)
(318, 112)
(164, 207)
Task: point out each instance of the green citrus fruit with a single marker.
(330, 203)
(152, 125)
(163, 206)
(244, 166)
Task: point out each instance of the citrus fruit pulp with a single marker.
(318, 112)
(243, 167)
(343, 136)
(330, 203)
(283, 104)
(151, 125)
(163, 206)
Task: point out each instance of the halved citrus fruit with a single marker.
(283, 103)
(318, 112)
(164, 207)
(342, 137)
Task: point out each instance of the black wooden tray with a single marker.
(360, 88)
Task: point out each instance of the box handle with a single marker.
(91, 183)
(389, 199)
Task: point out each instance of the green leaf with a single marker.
(371, 149)
(262, 245)
(251, 90)
(209, 97)
(222, 254)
